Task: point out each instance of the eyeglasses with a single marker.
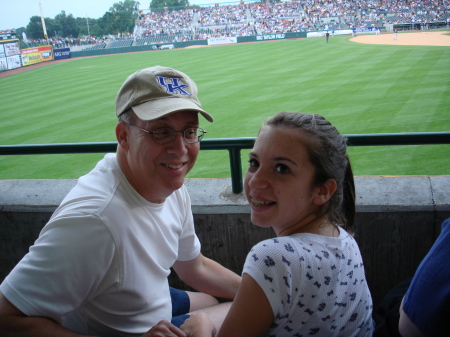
(166, 135)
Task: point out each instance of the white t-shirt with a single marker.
(100, 265)
(315, 284)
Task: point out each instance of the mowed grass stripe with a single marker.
(65, 105)
(360, 88)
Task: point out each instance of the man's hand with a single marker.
(199, 325)
(164, 329)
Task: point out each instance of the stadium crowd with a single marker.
(166, 22)
(247, 19)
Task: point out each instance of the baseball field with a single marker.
(361, 86)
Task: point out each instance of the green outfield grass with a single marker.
(360, 88)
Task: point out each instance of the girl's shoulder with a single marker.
(271, 252)
(271, 257)
(299, 242)
(281, 244)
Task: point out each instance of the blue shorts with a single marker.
(180, 306)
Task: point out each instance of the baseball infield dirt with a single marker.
(425, 38)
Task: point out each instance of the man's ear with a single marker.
(325, 191)
(122, 130)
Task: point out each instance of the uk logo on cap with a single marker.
(173, 86)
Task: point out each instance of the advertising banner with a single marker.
(63, 53)
(270, 37)
(13, 62)
(222, 40)
(12, 48)
(3, 64)
(36, 55)
(323, 32)
(9, 54)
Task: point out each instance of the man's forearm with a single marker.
(214, 279)
(15, 326)
(225, 281)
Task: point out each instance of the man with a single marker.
(100, 265)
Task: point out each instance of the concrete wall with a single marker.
(397, 221)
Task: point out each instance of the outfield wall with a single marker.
(184, 44)
(12, 57)
(397, 221)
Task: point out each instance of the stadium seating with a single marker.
(245, 18)
(120, 43)
(97, 46)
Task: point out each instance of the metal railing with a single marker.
(233, 146)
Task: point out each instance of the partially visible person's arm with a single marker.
(208, 276)
(250, 315)
(426, 303)
(406, 327)
(13, 322)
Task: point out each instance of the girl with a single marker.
(310, 279)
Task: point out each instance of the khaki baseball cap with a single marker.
(157, 91)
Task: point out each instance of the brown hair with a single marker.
(327, 149)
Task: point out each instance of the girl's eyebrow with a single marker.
(253, 154)
(286, 159)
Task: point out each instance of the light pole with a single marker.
(87, 22)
